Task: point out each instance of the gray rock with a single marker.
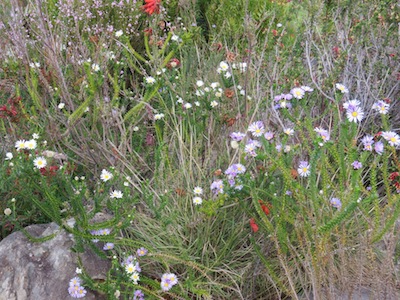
(43, 270)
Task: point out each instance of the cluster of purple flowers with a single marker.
(104, 231)
(168, 280)
(132, 268)
(231, 174)
(369, 144)
(381, 107)
(217, 187)
(75, 289)
(283, 100)
(131, 260)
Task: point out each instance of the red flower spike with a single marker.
(253, 225)
(152, 6)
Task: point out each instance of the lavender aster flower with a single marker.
(269, 135)
(342, 88)
(250, 149)
(237, 136)
(283, 101)
(231, 172)
(335, 202)
(141, 251)
(108, 246)
(367, 141)
(304, 169)
(351, 104)
(257, 128)
(240, 169)
(306, 88)
(355, 114)
(138, 295)
(324, 134)
(356, 165)
(217, 187)
(378, 147)
(392, 137)
(138, 268)
(298, 93)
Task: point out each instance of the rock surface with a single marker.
(42, 270)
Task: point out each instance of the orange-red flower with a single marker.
(265, 207)
(152, 6)
(253, 225)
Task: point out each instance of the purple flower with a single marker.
(257, 128)
(141, 251)
(129, 260)
(351, 104)
(392, 137)
(108, 246)
(269, 135)
(335, 202)
(77, 291)
(250, 149)
(304, 169)
(356, 165)
(323, 133)
(235, 169)
(138, 268)
(237, 136)
(355, 114)
(306, 88)
(217, 187)
(283, 101)
(240, 169)
(138, 295)
(367, 141)
(231, 172)
(298, 93)
(378, 147)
